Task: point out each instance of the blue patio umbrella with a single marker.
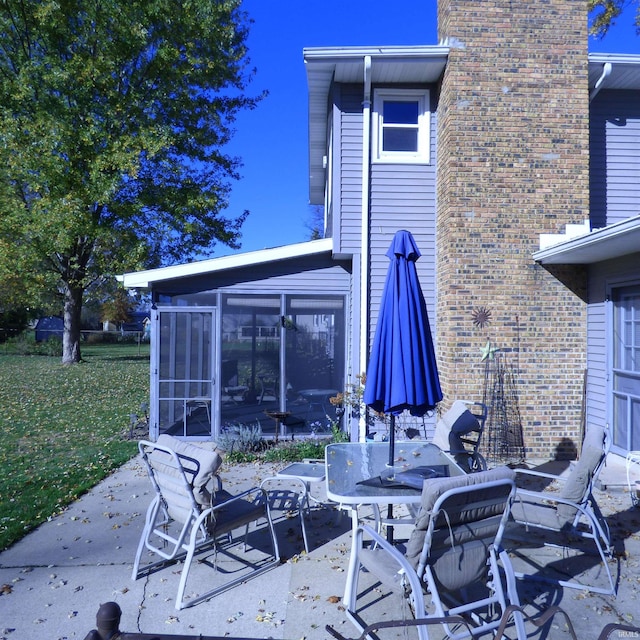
(402, 374)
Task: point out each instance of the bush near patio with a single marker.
(64, 428)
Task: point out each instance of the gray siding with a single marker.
(305, 275)
(602, 277)
(402, 197)
(349, 188)
(614, 157)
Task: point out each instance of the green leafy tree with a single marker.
(604, 14)
(119, 308)
(113, 119)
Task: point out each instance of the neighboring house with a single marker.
(49, 327)
(512, 156)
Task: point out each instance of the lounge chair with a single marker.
(567, 515)
(191, 512)
(454, 551)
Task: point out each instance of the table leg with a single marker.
(352, 558)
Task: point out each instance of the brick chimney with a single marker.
(513, 162)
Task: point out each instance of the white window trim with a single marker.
(423, 154)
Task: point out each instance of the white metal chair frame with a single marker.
(290, 500)
(199, 528)
(456, 521)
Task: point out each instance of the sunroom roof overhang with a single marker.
(144, 279)
(613, 241)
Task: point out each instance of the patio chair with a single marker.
(454, 552)
(459, 432)
(507, 620)
(565, 511)
(191, 512)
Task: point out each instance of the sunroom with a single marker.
(256, 339)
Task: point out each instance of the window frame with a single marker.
(422, 155)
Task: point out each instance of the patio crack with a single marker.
(142, 604)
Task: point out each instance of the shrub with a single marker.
(25, 344)
(241, 439)
(296, 450)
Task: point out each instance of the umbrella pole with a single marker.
(392, 441)
(392, 456)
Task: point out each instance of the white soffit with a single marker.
(624, 74)
(142, 279)
(613, 241)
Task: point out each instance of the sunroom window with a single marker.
(401, 126)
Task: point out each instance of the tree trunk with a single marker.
(72, 314)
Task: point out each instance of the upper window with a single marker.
(401, 125)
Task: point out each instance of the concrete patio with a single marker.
(54, 580)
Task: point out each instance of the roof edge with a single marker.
(325, 54)
(575, 250)
(142, 279)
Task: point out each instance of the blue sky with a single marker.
(272, 139)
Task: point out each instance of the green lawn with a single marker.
(64, 428)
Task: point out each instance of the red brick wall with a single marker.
(513, 162)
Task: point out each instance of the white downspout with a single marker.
(364, 232)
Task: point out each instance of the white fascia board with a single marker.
(345, 53)
(606, 243)
(142, 279)
(618, 58)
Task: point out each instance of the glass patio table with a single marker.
(348, 464)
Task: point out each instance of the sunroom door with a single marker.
(182, 369)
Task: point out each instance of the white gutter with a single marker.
(364, 234)
(606, 72)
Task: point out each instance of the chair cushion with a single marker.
(441, 435)
(209, 462)
(433, 489)
(232, 512)
(539, 510)
(457, 420)
(575, 488)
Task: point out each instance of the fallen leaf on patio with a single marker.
(171, 620)
(333, 599)
(235, 616)
(6, 589)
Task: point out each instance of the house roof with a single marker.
(391, 65)
(613, 241)
(142, 279)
